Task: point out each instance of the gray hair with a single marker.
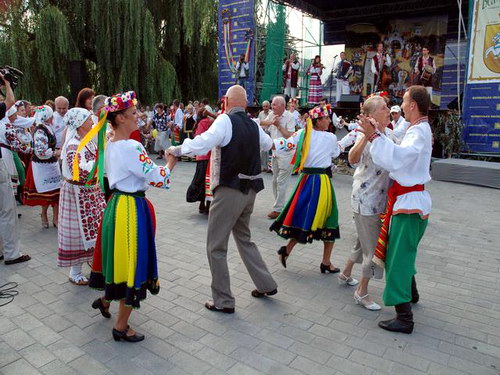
(280, 99)
(265, 102)
(59, 98)
(98, 102)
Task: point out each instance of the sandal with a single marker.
(80, 280)
(21, 259)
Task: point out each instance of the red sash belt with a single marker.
(394, 192)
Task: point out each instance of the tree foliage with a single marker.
(162, 49)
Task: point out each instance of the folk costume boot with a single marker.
(403, 322)
(415, 297)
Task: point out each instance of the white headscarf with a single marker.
(43, 113)
(12, 110)
(73, 119)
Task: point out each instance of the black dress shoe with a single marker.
(323, 268)
(226, 310)
(257, 294)
(415, 297)
(21, 259)
(97, 304)
(122, 335)
(283, 255)
(396, 325)
(403, 322)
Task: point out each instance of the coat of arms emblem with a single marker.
(491, 56)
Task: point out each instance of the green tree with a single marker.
(163, 49)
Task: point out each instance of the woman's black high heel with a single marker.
(324, 268)
(283, 255)
(97, 304)
(122, 335)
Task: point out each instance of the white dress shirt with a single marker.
(408, 164)
(58, 128)
(400, 127)
(179, 116)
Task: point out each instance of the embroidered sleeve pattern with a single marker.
(15, 140)
(283, 145)
(41, 145)
(156, 175)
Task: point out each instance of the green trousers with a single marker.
(405, 233)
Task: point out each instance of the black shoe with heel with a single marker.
(323, 268)
(97, 304)
(283, 255)
(122, 335)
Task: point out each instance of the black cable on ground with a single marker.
(8, 292)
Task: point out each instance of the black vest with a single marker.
(241, 155)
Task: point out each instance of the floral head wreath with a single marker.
(120, 102)
(115, 103)
(320, 111)
(293, 101)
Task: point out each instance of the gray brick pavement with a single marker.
(312, 326)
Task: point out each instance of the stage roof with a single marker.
(337, 13)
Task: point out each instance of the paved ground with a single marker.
(311, 327)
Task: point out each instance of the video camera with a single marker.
(10, 74)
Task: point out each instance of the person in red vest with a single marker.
(291, 76)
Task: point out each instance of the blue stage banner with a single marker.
(236, 30)
(482, 117)
(481, 113)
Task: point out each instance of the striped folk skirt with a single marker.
(311, 212)
(80, 213)
(315, 90)
(125, 264)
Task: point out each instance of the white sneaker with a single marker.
(344, 280)
(372, 306)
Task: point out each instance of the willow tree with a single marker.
(159, 48)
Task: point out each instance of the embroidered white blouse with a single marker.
(323, 148)
(408, 164)
(129, 168)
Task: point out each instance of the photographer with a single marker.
(9, 225)
(242, 68)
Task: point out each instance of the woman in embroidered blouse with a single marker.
(311, 212)
(82, 202)
(125, 265)
(43, 178)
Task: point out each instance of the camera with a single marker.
(11, 74)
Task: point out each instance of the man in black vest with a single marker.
(236, 142)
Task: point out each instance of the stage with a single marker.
(471, 172)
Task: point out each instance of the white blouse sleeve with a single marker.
(141, 165)
(284, 146)
(390, 156)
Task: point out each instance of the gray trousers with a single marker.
(9, 224)
(230, 212)
(368, 229)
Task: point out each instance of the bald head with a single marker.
(236, 96)
(278, 105)
(62, 105)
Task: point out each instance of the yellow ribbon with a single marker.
(91, 134)
(307, 144)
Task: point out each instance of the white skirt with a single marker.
(162, 141)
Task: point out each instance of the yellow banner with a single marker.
(484, 57)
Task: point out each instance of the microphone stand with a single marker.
(331, 78)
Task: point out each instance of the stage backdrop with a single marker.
(236, 29)
(481, 113)
(403, 40)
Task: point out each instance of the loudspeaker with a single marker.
(349, 101)
(77, 78)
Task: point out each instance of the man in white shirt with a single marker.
(62, 106)
(264, 155)
(280, 124)
(399, 124)
(236, 142)
(408, 206)
(242, 69)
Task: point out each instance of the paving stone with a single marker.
(312, 326)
